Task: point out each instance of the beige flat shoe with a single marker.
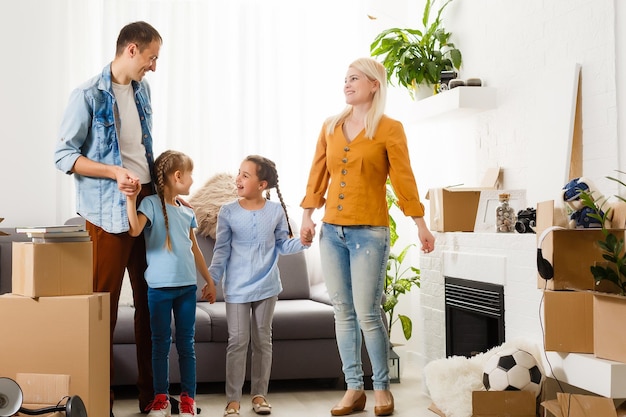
(263, 407)
(232, 412)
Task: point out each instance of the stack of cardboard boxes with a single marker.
(54, 324)
(579, 316)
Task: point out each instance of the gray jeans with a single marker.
(249, 321)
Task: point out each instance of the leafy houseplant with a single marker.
(399, 280)
(416, 57)
(612, 248)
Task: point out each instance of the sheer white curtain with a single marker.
(234, 77)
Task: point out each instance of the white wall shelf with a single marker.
(584, 370)
(455, 103)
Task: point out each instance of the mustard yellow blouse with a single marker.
(358, 172)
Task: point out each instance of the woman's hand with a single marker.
(307, 228)
(425, 236)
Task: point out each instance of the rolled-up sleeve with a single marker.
(318, 176)
(73, 131)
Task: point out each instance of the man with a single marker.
(106, 142)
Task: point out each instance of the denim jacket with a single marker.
(90, 127)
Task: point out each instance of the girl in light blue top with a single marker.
(173, 257)
(251, 233)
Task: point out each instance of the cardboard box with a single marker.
(43, 391)
(609, 339)
(579, 405)
(66, 335)
(571, 252)
(453, 209)
(568, 321)
(504, 403)
(52, 269)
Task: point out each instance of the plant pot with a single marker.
(423, 91)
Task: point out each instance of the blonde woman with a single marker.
(357, 150)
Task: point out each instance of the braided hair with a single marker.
(166, 164)
(266, 171)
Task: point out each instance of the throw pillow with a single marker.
(217, 191)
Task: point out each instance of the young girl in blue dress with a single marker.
(252, 232)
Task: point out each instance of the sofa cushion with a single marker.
(293, 320)
(294, 277)
(303, 319)
(217, 312)
(125, 328)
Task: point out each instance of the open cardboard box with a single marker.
(504, 403)
(579, 405)
(571, 252)
(499, 404)
(453, 209)
(66, 335)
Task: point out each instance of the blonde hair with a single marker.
(374, 71)
(266, 171)
(166, 164)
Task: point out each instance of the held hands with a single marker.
(127, 182)
(209, 292)
(307, 232)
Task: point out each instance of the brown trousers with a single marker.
(112, 255)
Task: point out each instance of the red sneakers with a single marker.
(160, 406)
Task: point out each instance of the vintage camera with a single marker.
(526, 220)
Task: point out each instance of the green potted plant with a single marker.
(415, 58)
(399, 279)
(614, 269)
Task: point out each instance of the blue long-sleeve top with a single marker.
(247, 246)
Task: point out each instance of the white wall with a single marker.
(526, 50)
(32, 97)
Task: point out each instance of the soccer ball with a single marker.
(512, 370)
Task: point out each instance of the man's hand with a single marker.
(127, 182)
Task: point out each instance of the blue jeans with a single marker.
(354, 263)
(182, 302)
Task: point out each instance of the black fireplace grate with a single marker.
(474, 316)
(483, 301)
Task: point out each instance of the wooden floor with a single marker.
(296, 398)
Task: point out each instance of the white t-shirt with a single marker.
(131, 143)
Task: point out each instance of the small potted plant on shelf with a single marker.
(400, 279)
(415, 58)
(614, 269)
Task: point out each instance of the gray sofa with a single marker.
(304, 342)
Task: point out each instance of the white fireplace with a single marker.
(508, 259)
